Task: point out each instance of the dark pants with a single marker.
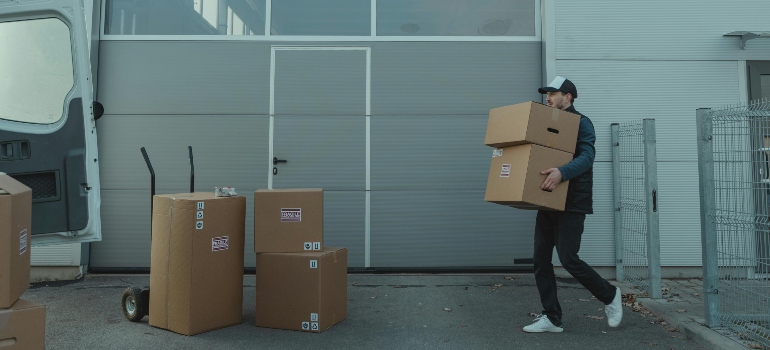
(563, 230)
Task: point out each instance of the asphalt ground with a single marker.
(480, 311)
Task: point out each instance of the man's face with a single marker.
(558, 100)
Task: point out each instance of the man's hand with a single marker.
(553, 179)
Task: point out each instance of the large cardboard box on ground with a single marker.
(302, 291)
(22, 326)
(15, 232)
(196, 273)
(532, 122)
(288, 221)
(515, 179)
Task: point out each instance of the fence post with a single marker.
(707, 209)
(651, 195)
(616, 188)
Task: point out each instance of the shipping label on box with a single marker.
(196, 271)
(515, 178)
(288, 221)
(532, 122)
(301, 291)
(15, 231)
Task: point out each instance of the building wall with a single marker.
(653, 59)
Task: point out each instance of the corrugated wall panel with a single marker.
(667, 91)
(660, 29)
(58, 255)
(453, 78)
(325, 152)
(186, 77)
(344, 226)
(447, 229)
(597, 247)
(429, 153)
(319, 82)
(227, 151)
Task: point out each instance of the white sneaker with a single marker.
(542, 324)
(614, 310)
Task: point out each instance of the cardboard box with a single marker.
(15, 234)
(532, 122)
(515, 179)
(196, 276)
(22, 326)
(302, 291)
(288, 221)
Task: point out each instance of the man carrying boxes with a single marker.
(544, 136)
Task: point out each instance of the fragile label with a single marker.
(305, 326)
(200, 205)
(199, 225)
(497, 153)
(291, 214)
(220, 243)
(506, 171)
(313, 264)
(308, 246)
(23, 242)
(199, 215)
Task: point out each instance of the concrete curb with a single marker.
(693, 330)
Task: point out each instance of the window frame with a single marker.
(373, 37)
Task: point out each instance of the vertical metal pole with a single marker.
(616, 188)
(707, 210)
(222, 17)
(651, 195)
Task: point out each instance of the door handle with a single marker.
(276, 160)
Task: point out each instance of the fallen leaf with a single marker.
(354, 284)
(600, 309)
(509, 278)
(755, 346)
(373, 297)
(532, 314)
(696, 295)
(671, 329)
(663, 323)
(447, 309)
(680, 310)
(397, 286)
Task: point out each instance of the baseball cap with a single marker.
(560, 84)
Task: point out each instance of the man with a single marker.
(564, 229)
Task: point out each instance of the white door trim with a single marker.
(368, 51)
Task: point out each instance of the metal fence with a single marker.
(733, 164)
(635, 172)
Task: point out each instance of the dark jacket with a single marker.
(580, 171)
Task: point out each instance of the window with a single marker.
(327, 17)
(456, 18)
(185, 17)
(37, 72)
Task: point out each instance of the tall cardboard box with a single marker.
(22, 326)
(196, 276)
(302, 291)
(288, 221)
(515, 179)
(15, 232)
(532, 122)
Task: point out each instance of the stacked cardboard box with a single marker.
(300, 283)
(528, 138)
(22, 323)
(196, 269)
